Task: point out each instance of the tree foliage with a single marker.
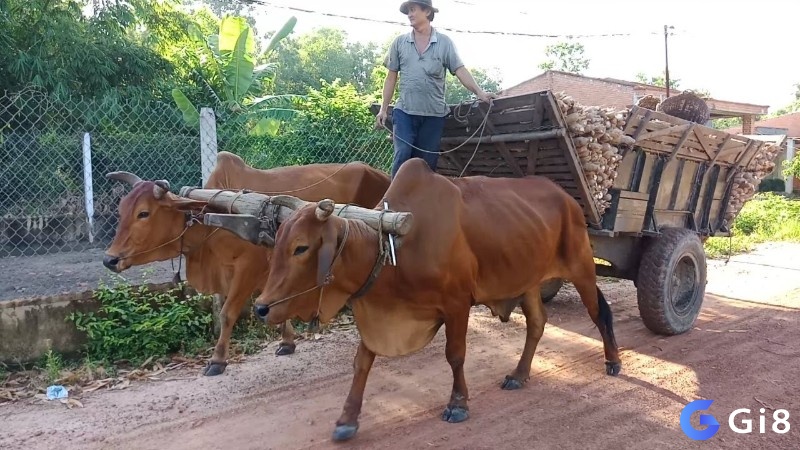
(51, 45)
(325, 55)
(659, 80)
(455, 92)
(565, 56)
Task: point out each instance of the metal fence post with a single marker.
(88, 192)
(208, 142)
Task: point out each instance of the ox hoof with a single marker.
(285, 349)
(344, 432)
(214, 368)
(613, 368)
(455, 414)
(510, 384)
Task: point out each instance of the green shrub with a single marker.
(135, 323)
(766, 217)
(772, 185)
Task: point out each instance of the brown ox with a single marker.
(153, 227)
(474, 240)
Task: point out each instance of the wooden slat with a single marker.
(642, 124)
(533, 156)
(501, 146)
(553, 169)
(720, 148)
(662, 132)
(552, 161)
(679, 144)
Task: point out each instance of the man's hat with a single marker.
(428, 3)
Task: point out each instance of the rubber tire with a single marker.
(657, 266)
(549, 289)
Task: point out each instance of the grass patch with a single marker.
(138, 334)
(767, 217)
(135, 323)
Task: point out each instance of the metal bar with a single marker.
(709, 198)
(655, 182)
(391, 238)
(637, 169)
(676, 187)
(723, 209)
(694, 194)
(610, 216)
(510, 137)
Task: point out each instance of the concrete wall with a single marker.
(28, 326)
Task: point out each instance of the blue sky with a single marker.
(737, 50)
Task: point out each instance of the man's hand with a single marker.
(486, 96)
(380, 119)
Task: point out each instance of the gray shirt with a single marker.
(422, 76)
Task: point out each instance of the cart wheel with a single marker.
(550, 288)
(672, 281)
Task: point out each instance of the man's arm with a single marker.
(388, 90)
(465, 77)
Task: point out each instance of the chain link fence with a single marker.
(55, 153)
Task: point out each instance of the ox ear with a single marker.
(125, 177)
(324, 209)
(160, 189)
(288, 201)
(326, 253)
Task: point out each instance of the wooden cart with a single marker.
(671, 191)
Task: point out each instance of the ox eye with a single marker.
(300, 249)
(143, 215)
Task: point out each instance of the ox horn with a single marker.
(324, 209)
(160, 189)
(126, 177)
(288, 201)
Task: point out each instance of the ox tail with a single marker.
(606, 317)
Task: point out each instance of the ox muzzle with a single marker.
(262, 311)
(111, 263)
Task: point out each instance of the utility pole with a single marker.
(666, 60)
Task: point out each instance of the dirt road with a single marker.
(744, 353)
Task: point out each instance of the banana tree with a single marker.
(233, 79)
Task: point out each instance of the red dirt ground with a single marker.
(744, 352)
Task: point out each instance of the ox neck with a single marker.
(195, 238)
(360, 260)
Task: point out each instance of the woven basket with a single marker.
(649, 102)
(687, 106)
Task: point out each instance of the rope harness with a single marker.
(462, 118)
(380, 261)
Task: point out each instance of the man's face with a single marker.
(417, 15)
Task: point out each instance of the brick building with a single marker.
(787, 125)
(621, 94)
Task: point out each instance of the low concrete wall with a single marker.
(28, 326)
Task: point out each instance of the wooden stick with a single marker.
(253, 204)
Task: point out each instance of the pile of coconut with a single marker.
(597, 134)
(745, 182)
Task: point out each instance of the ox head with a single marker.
(307, 279)
(151, 219)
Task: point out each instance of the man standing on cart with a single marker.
(421, 58)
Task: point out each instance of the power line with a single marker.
(455, 30)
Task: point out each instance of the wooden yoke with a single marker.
(255, 217)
